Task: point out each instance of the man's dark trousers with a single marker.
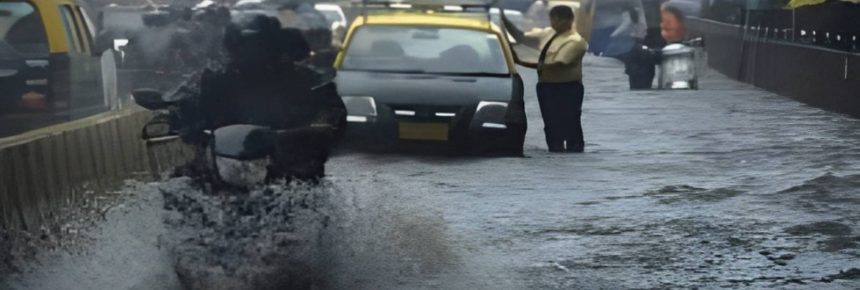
(561, 108)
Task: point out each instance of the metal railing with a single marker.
(798, 26)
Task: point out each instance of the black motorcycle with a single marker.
(243, 155)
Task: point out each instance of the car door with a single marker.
(92, 64)
(105, 63)
(85, 88)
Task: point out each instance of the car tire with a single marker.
(509, 145)
(515, 142)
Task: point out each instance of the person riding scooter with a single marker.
(261, 85)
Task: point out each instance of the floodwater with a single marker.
(728, 187)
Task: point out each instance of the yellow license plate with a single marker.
(424, 131)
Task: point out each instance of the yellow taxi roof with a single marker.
(52, 2)
(427, 19)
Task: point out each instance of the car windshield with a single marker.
(425, 50)
(331, 16)
(21, 30)
(249, 5)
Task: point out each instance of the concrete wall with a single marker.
(43, 171)
(821, 77)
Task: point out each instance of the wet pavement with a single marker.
(726, 187)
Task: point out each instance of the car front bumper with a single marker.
(441, 124)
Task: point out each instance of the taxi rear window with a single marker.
(21, 30)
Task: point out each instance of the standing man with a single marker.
(559, 89)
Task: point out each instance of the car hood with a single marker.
(424, 89)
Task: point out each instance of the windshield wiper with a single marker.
(463, 74)
(395, 71)
(478, 74)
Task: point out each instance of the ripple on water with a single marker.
(685, 193)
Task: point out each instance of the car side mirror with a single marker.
(119, 44)
(150, 99)
(156, 129)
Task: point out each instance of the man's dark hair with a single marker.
(562, 12)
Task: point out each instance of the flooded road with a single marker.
(728, 186)
(724, 187)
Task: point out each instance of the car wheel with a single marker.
(510, 144)
(510, 150)
(514, 144)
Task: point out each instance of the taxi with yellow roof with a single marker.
(431, 76)
(49, 65)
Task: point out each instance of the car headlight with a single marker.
(358, 109)
(490, 105)
(491, 115)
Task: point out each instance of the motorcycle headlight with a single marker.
(358, 109)
(244, 173)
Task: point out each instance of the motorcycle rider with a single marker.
(261, 84)
(313, 25)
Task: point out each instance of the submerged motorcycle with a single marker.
(240, 154)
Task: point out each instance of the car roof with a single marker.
(246, 2)
(122, 8)
(552, 3)
(495, 10)
(436, 19)
(327, 6)
(51, 2)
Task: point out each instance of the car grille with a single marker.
(427, 112)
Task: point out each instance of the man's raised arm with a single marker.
(519, 35)
(531, 42)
